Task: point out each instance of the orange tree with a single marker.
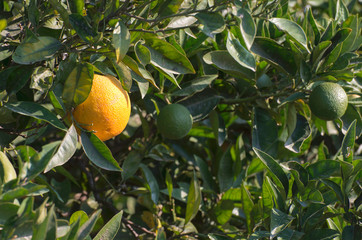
(257, 162)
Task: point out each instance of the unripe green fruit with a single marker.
(328, 101)
(174, 121)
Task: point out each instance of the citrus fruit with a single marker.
(106, 110)
(328, 101)
(174, 121)
(7, 171)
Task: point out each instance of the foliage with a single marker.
(256, 163)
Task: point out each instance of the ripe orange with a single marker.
(107, 109)
(174, 121)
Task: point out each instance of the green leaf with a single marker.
(274, 53)
(299, 173)
(83, 28)
(16, 78)
(259, 235)
(222, 60)
(223, 211)
(352, 23)
(78, 216)
(121, 40)
(211, 23)
(201, 104)
(248, 205)
(341, 12)
(319, 51)
(139, 70)
(77, 6)
(29, 189)
(110, 230)
(312, 22)
(292, 29)
(98, 152)
(168, 180)
(323, 169)
(142, 53)
(321, 234)
(265, 132)
(88, 226)
(275, 170)
(208, 181)
(193, 199)
(42, 48)
(239, 53)
(131, 164)
(78, 84)
(300, 134)
(37, 111)
(66, 149)
(7, 210)
(349, 117)
(7, 171)
(124, 74)
(47, 229)
(194, 86)
(279, 222)
(218, 127)
(167, 57)
(348, 142)
(225, 174)
(169, 7)
(247, 27)
(152, 184)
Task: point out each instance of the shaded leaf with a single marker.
(35, 51)
(98, 152)
(194, 86)
(275, 53)
(279, 221)
(211, 23)
(83, 28)
(193, 199)
(348, 142)
(239, 53)
(151, 183)
(300, 134)
(110, 230)
(131, 164)
(88, 226)
(247, 27)
(66, 150)
(323, 169)
(120, 40)
(37, 111)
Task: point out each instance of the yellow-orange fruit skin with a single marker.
(107, 109)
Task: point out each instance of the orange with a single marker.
(106, 110)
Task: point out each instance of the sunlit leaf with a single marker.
(193, 199)
(239, 53)
(110, 230)
(120, 40)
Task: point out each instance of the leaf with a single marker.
(98, 152)
(83, 28)
(208, 181)
(121, 40)
(194, 86)
(131, 164)
(279, 222)
(321, 234)
(259, 235)
(29, 189)
(313, 23)
(247, 27)
(274, 53)
(225, 174)
(169, 7)
(35, 51)
(341, 12)
(211, 23)
(352, 23)
(152, 184)
(16, 78)
(222, 60)
(182, 21)
(110, 230)
(323, 169)
(78, 85)
(78, 216)
(66, 150)
(47, 229)
(300, 134)
(348, 142)
(193, 199)
(37, 111)
(142, 53)
(264, 132)
(239, 53)
(349, 116)
(299, 173)
(201, 104)
(124, 75)
(88, 226)
(319, 51)
(167, 57)
(292, 29)
(7, 210)
(223, 211)
(248, 206)
(275, 169)
(218, 127)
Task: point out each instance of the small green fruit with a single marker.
(328, 101)
(174, 121)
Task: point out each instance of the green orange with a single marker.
(328, 101)
(174, 121)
